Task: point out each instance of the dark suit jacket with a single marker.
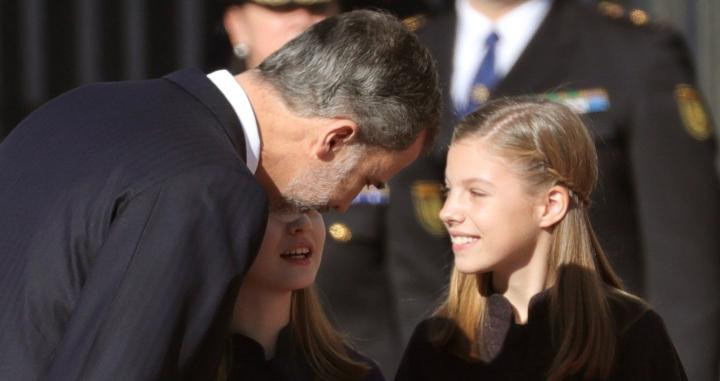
(657, 206)
(129, 217)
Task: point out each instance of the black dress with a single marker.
(525, 352)
(288, 364)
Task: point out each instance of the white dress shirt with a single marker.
(515, 30)
(240, 102)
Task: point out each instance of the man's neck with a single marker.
(275, 167)
(495, 9)
(260, 314)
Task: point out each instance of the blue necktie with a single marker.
(485, 78)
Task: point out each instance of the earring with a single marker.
(241, 50)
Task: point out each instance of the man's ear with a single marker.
(335, 135)
(233, 20)
(554, 205)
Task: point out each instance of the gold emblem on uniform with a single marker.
(692, 112)
(480, 94)
(414, 23)
(340, 232)
(639, 17)
(428, 200)
(611, 9)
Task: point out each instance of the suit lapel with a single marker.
(540, 67)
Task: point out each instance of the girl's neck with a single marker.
(519, 284)
(260, 314)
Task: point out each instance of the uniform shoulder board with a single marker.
(616, 11)
(415, 22)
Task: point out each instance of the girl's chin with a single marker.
(468, 267)
(469, 270)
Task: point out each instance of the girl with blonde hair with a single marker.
(280, 331)
(532, 295)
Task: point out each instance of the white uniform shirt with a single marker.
(515, 30)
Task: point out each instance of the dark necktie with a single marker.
(485, 78)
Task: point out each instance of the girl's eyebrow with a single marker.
(478, 180)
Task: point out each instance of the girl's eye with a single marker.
(444, 190)
(477, 193)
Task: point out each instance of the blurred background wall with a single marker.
(48, 47)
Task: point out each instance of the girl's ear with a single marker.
(554, 205)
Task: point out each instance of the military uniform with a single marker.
(657, 206)
(353, 281)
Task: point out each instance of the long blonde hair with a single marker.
(550, 145)
(313, 337)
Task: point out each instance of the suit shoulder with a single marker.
(610, 17)
(108, 89)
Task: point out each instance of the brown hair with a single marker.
(315, 339)
(323, 347)
(549, 145)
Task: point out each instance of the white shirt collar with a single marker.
(515, 29)
(240, 102)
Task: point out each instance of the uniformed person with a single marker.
(256, 28)
(657, 207)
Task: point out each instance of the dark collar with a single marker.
(248, 359)
(197, 84)
(247, 348)
(500, 320)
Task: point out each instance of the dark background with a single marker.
(50, 46)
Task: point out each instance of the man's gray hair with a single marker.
(364, 65)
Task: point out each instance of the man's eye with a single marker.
(374, 186)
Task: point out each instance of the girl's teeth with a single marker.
(461, 240)
(300, 252)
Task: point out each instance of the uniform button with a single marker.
(340, 232)
(480, 94)
(639, 17)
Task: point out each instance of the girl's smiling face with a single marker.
(491, 216)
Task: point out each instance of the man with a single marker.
(657, 207)
(131, 210)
